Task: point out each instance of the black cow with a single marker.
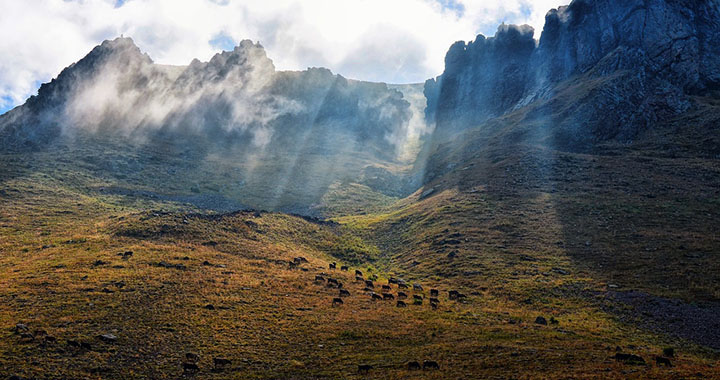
(453, 294)
(417, 302)
(221, 362)
(364, 368)
(386, 287)
(319, 278)
(332, 266)
(403, 285)
(659, 360)
(402, 295)
(337, 301)
(388, 296)
(376, 296)
(434, 293)
(392, 280)
(411, 366)
(434, 300)
(417, 297)
(401, 304)
(358, 279)
(369, 284)
(190, 367)
(344, 268)
(429, 364)
(344, 293)
(358, 273)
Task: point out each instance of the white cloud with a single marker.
(381, 40)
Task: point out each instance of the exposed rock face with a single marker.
(632, 62)
(482, 79)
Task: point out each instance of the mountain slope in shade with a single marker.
(633, 63)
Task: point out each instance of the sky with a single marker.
(394, 41)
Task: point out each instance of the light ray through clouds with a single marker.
(398, 41)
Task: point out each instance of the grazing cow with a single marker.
(417, 297)
(369, 284)
(392, 280)
(190, 367)
(332, 266)
(364, 368)
(339, 285)
(386, 287)
(191, 357)
(376, 296)
(359, 279)
(374, 277)
(300, 260)
(401, 304)
(434, 305)
(453, 294)
(434, 293)
(429, 364)
(366, 289)
(344, 268)
(221, 362)
(388, 296)
(434, 300)
(402, 295)
(293, 265)
(337, 302)
(418, 287)
(659, 360)
(403, 285)
(417, 302)
(411, 366)
(461, 296)
(358, 273)
(332, 281)
(344, 293)
(319, 278)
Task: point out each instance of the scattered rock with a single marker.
(107, 338)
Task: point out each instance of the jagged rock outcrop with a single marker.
(236, 98)
(620, 67)
(483, 78)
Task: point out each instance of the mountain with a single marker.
(288, 136)
(631, 63)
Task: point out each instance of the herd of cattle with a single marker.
(369, 288)
(370, 284)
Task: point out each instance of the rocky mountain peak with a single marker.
(646, 58)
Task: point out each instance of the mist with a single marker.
(288, 136)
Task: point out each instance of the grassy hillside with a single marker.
(510, 231)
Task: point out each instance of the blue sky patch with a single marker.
(453, 5)
(222, 41)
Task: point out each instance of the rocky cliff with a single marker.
(621, 65)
